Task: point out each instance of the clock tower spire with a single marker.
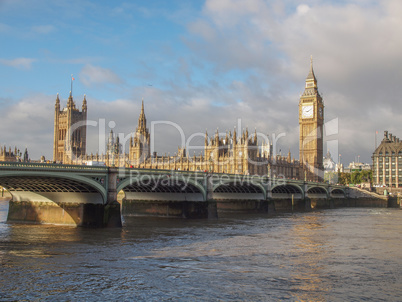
(311, 121)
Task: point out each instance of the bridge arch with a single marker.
(338, 192)
(287, 190)
(51, 182)
(161, 183)
(233, 187)
(317, 192)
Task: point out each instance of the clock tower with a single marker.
(311, 121)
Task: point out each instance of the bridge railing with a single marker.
(46, 166)
(225, 177)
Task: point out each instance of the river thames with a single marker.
(346, 254)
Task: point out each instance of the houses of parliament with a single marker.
(234, 153)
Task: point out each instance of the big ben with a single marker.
(311, 120)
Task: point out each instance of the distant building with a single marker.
(311, 121)
(16, 155)
(329, 163)
(230, 153)
(387, 162)
(237, 152)
(70, 131)
(357, 167)
(331, 169)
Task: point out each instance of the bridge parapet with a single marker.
(45, 166)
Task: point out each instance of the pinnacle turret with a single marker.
(311, 82)
(70, 102)
(84, 103)
(311, 76)
(142, 121)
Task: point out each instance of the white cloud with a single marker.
(22, 63)
(95, 75)
(259, 52)
(302, 9)
(356, 47)
(28, 123)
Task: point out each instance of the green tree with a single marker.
(344, 178)
(366, 176)
(355, 177)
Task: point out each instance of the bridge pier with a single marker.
(64, 199)
(322, 203)
(112, 209)
(169, 208)
(74, 214)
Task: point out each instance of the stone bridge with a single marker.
(87, 195)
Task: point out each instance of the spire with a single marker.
(311, 75)
(57, 105)
(26, 156)
(311, 80)
(142, 121)
(70, 102)
(84, 103)
(255, 136)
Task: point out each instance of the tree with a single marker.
(344, 178)
(366, 176)
(355, 177)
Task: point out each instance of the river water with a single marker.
(331, 255)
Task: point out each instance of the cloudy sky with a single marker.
(202, 65)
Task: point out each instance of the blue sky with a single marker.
(201, 65)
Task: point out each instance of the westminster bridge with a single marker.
(88, 195)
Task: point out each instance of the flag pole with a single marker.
(71, 85)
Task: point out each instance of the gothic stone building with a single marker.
(237, 153)
(387, 162)
(311, 120)
(228, 153)
(13, 156)
(70, 132)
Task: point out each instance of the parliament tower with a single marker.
(311, 121)
(139, 149)
(70, 131)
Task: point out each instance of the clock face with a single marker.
(307, 111)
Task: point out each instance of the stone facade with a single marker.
(70, 132)
(387, 162)
(12, 156)
(311, 120)
(230, 153)
(237, 153)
